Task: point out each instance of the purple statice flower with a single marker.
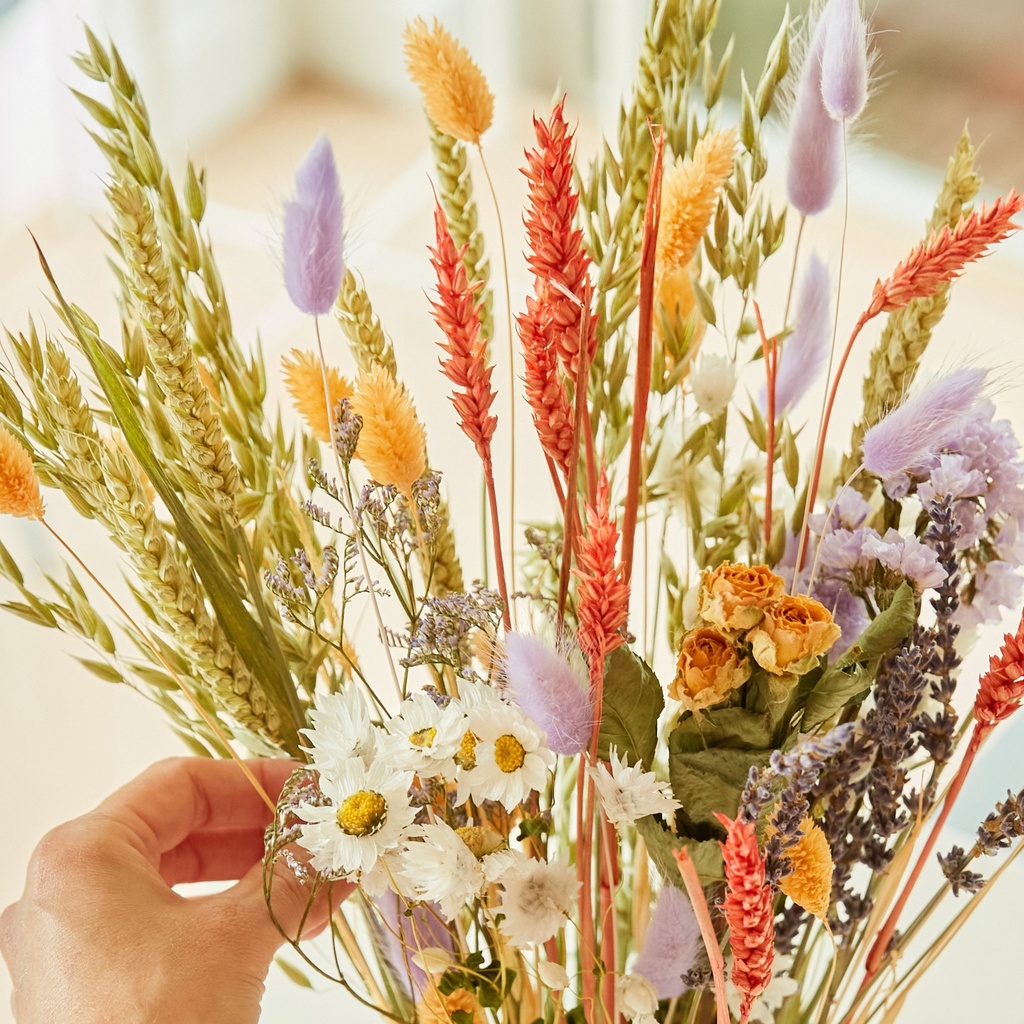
(312, 232)
(842, 551)
(551, 690)
(815, 138)
(994, 586)
(804, 352)
(906, 555)
(849, 511)
(404, 929)
(848, 613)
(920, 428)
(844, 60)
(673, 941)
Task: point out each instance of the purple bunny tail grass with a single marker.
(550, 690)
(844, 61)
(804, 353)
(312, 232)
(403, 934)
(916, 430)
(672, 943)
(815, 138)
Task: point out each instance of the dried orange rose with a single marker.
(794, 631)
(734, 596)
(436, 1008)
(709, 669)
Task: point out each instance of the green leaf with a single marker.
(631, 705)
(833, 692)
(533, 827)
(292, 973)
(710, 781)
(706, 854)
(887, 630)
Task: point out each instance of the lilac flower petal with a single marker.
(551, 692)
(844, 61)
(804, 353)
(921, 427)
(815, 138)
(673, 940)
(312, 232)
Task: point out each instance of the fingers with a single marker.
(213, 855)
(179, 796)
(296, 913)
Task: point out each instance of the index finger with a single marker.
(175, 798)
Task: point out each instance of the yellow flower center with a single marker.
(362, 813)
(423, 737)
(465, 756)
(509, 753)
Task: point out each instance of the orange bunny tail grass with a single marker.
(455, 92)
(458, 315)
(19, 484)
(304, 380)
(603, 594)
(944, 256)
(748, 909)
(556, 253)
(545, 390)
(392, 443)
(689, 193)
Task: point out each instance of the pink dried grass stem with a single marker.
(933, 263)
(457, 313)
(644, 354)
(691, 880)
(748, 909)
(1000, 692)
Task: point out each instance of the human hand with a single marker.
(100, 935)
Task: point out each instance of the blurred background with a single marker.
(244, 88)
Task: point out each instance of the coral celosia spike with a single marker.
(603, 595)
(748, 909)
(1001, 688)
(457, 313)
(556, 252)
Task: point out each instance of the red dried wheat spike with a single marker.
(603, 594)
(556, 252)
(458, 314)
(1001, 688)
(748, 909)
(545, 391)
(945, 255)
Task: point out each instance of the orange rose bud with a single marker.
(734, 596)
(709, 669)
(794, 631)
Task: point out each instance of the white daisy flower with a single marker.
(451, 867)
(341, 730)
(628, 792)
(538, 899)
(636, 998)
(509, 758)
(423, 737)
(369, 813)
(440, 868)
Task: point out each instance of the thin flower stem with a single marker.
(792, 273)
(822, 1011)
(881, 943)
(358, 535)
(644, 354)
(769, 348)
(511, 371)
(499, 565)
(154, 648)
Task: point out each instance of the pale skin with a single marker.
(100, 935)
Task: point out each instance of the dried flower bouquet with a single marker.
(539, 828)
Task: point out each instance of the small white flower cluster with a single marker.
(371, 830)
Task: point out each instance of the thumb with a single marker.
(295, 911)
